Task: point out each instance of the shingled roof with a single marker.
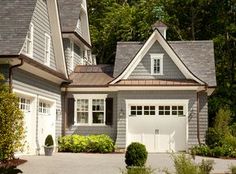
(198, 56)
(69, 14)
(91, 75)
(15, 17)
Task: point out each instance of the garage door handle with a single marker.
(156, 131)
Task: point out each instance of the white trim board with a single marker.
(130, 88)
(156, 36)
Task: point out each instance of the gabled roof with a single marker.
(69, 11)
(197, 56)
(15, 17)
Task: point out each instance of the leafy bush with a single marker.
(49, 141)
(91, 143)
(138, 170)
(206, 166)
(11, 123)
(202, 150)
(136, 155)
(183, 165)
(10, 170)
(213, 137)
(233, 169)
(222, 121)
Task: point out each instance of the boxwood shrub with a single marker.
(91, 143)
(136, 155)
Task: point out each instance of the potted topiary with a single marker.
(48, 147)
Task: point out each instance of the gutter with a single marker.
(11, 72)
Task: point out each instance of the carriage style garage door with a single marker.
(160, 125)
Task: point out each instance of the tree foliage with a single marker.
(131, 20)
(11, 123)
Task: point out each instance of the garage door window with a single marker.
(178, 110)
(44, 108)
(164, 110)
(136, 110)
(149, 110)
(24, 104)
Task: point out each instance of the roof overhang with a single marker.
(77, 38)
(133, 88)
(38, 69)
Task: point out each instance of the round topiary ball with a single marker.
(136, 155)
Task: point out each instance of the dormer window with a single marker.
(156, 64)
(29, 40)
(47, 50)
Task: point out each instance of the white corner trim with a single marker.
(156, 36)
(57, 37)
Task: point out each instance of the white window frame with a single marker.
(72, 55)
(44, 110)
(47, 49)
(26, 104)
(30, 40)
(90, 98)
(156, 57)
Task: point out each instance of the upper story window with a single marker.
(47, 50)
(71, 59)
(156, 64)
(29, 40)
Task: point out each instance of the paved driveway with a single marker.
(82, 163)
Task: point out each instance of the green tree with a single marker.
(11, 123)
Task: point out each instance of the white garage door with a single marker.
(160, 127)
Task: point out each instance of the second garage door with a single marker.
(161, 127)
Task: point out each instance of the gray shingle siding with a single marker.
(91, 130)
(143, 69)
(192, 124)
(78, 60)
(32, 84)
(41, 24)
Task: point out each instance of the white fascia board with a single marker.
(133, 88)
(90, 96)
(156, 36)
(20, 92)
(56, 36)
(175, 58)
(137, 59)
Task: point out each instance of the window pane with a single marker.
(174, 112)
(167, 112)
(82, 117)
(146, 107)
(139, 112)
(133, 107)
(98, 117)
(139, 107)
(152, 107)
(180, 113)
(180, 107)
(133, 112)
(167, 107)
(161, 112)
(146, 112)
(152, 112)
(98, 105)
(161, 107)
(174, 107)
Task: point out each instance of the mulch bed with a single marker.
(12, 163)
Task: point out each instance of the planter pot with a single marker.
(48, 150)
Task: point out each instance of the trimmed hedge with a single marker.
(92, 143)
(136, 155)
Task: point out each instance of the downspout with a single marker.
(11, 72)
(198, 115)
(64, 113)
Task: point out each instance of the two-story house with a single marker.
(41, 41)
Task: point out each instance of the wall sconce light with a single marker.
(122, 113)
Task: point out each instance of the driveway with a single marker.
(83, 163)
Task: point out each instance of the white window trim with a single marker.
(31, 30)
(153, 57)
(89, 97)
(47, 50)
(72, 55)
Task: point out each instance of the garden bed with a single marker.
(12, 163)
